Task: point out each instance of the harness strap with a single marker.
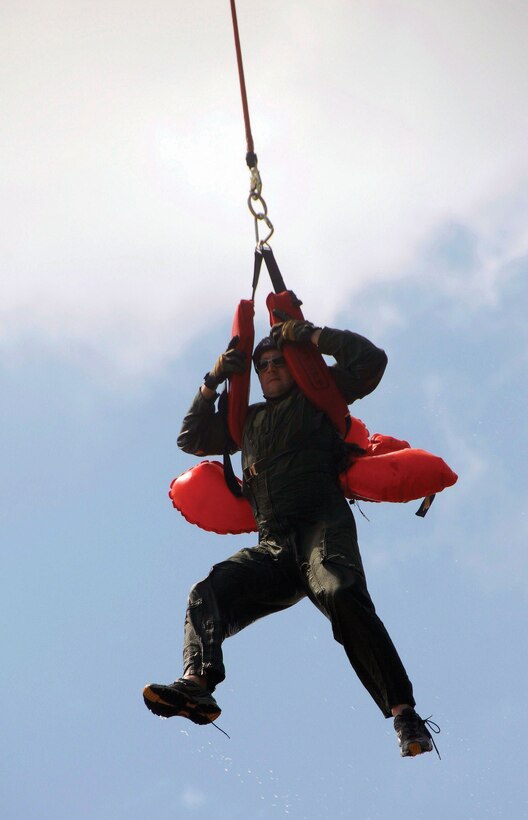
(299, 441)
(266, 254)
(424, 506)
(273, 269)
(264, 464)
(256, 272)
(229, 473)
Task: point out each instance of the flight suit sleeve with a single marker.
(204, 430)
(359, 363)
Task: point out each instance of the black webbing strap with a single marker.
(302, 440)
(266, 254)
(263, 464)
(256, 272)
(230, 477)
(424, 506)
(229, 473)
(273, 269)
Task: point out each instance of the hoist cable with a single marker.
(256, 202)
(251, 157)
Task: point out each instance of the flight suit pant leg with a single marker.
(336, 584)
(249, 585)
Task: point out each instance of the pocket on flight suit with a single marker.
(341, 548)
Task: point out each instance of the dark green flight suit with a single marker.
(307, 533)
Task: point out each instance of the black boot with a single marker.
(413, 733)
(183, 698)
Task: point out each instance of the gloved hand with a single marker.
(232, 361)
(291, 330)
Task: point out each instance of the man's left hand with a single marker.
(291, 330)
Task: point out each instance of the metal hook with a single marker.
(255, 198)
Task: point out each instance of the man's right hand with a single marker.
(229, 362)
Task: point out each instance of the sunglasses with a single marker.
(276, 361)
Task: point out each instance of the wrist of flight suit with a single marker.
(208, 394)
(327, 340)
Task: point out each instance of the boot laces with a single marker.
(417, 723)
(431, 726)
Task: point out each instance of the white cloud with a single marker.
(123, 216)
(473, 263)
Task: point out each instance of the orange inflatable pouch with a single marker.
(391, 470)
(203, 498)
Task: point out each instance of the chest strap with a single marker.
(264, 463)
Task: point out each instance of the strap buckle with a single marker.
(250, 472)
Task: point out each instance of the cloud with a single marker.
(377, 127)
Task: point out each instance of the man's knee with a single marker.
(348, 591)
(195, 597)
(202, 594)
(210, 592)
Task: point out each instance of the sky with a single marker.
(391, 139)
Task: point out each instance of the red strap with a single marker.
(238, 400)
(308, 367)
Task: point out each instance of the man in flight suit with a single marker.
(291, 458)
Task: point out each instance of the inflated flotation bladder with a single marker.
(357, 433)
(203, 498)
(390, 470)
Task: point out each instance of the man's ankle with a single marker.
(397, 710)
(200, 680)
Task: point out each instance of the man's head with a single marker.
(275, 378)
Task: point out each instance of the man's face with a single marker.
(276, 379)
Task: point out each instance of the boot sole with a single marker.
(179, 705)
(414, 749)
